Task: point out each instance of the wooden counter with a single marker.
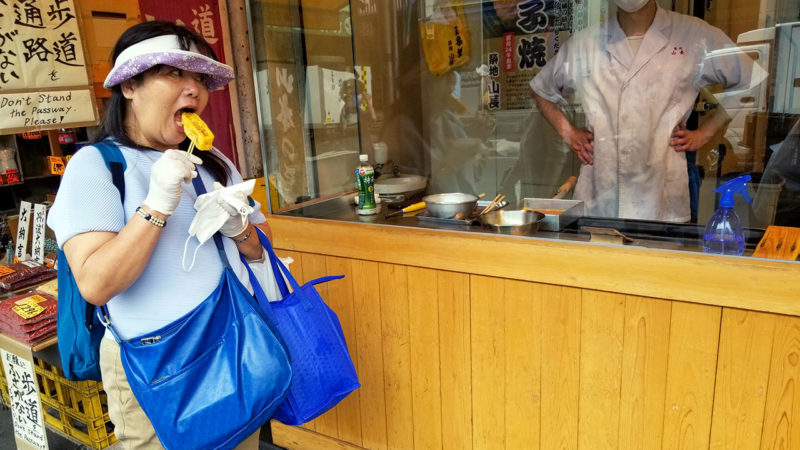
(479, 341)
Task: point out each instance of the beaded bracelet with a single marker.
(150, 218)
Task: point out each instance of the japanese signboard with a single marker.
(288, 129)
(22, 231)
(40, 45)
(46, 110)
(41, 52)
(203, 17)
(37, 247)
(25, 404)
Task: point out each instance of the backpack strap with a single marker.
(115, 163)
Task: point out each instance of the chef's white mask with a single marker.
(630, 5)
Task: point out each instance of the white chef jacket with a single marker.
(632, 105)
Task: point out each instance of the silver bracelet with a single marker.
(246, 237)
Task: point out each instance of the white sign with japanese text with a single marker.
(22, 231)
(46, 110)
(25, 404)
(40, 45)
(37, 247)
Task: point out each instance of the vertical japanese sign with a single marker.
(22, 231)
(520, 38)
(37, 247)
(25, 404)
(288, 128)
(203, 17)
(41, 51)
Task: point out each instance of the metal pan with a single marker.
(450, 206)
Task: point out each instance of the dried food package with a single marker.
(25, 274)
(27, 308)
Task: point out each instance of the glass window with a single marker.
(651, 106)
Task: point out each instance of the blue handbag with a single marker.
(322, 370)
(213, 377)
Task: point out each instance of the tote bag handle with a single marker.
(278, 268)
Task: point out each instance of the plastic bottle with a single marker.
(365, 178)
(724, 234)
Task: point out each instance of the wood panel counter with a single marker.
(472, 340)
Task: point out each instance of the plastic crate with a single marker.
(53, 416)
(77, 409)
(96, 433)
(4, 398)
(54, 373)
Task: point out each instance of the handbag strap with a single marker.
(280, 269)
(102, 311)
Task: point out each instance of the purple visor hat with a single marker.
(167, 50)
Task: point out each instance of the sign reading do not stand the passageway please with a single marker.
(44, 81)
(55, 109)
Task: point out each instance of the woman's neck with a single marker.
(637, 23)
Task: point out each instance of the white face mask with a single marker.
(630, 5)
(211, 215)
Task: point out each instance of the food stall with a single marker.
(600, 332)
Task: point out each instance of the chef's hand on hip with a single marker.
(581, 142)
(684, 140)
(168, 172)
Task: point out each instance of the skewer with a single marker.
(191, 147)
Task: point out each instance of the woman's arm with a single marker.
(106, 263)
(251, 247)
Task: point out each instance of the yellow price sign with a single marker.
(57, 165)
(28, 307)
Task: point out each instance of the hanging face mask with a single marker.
(213, 210)
(630, 5)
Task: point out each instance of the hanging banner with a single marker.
(203, 17)
(23, 393)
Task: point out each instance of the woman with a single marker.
(127, 255)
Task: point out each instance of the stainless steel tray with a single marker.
(573, 209)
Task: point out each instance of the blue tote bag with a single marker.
(322, 370)
(213, 377)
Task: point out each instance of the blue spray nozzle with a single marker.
(737, 185)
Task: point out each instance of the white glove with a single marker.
(169, 171)
(235, 203)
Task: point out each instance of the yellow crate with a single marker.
(53, 416)
(4, 398)
(78, 409)
(97, 433)
(54, 373)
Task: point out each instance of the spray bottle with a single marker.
(724, 234)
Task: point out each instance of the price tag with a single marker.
(57, 165)
(27, 308)
(5, 270)
(32, 135)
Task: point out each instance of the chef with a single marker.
(636, 77)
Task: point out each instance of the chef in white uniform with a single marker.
(636, 77)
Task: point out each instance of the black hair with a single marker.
(113, 123)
